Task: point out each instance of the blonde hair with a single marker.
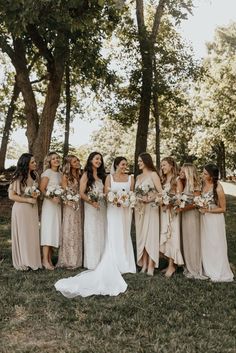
(192, 178)
(47, 160)
(174, 172)
(66, 170)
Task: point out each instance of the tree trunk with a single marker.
(68, 110)
(221, 160)
(146, 43)
(7, 127)
(144, 111)
(42, 143)
(157, 128)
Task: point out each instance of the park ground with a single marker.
(155, 315)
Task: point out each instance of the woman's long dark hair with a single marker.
(213, 171)
(22, 169)
(89, 170)
(148, 162)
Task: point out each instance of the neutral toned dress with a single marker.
(192, 241)
(214, 247)
(70, 251)
(51, 213)
(147, 226)
(25, 231)
(170, 234)
(94, 231)
(118, 257)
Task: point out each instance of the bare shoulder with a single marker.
(219, 187)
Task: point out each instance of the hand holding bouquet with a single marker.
(32, 191)
(95, 196)
(54, 193)
(204, 201)
(122, 198)
(71, 198)
(145, 193)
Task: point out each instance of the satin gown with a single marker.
(118, 257)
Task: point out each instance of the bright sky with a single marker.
(198, 29)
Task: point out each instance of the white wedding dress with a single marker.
(118, 257)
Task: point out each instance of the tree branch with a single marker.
(157, 20)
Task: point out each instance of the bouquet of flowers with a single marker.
(54, 191)
(203, 201)
(182, 200)
(32, 191)
(94, 195)
(121, 198)
(71, 198)
(143, 190)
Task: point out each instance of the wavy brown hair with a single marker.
(174, 172)
(67, 170)
(192, 179)
(147, 160)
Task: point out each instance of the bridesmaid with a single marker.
(170, 221)
(191, 223)
(94, 212)
(70, 251)
(51, 209)
(147, 217)
(213, 235)
(24, 220)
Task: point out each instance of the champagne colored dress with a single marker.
(170, 234)
(214, 247)
(70, 251)
(25, 231)
(51, 213)
(191, 241)
(147, 226)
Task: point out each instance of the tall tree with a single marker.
(46, 28)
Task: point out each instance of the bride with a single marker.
(118, 257)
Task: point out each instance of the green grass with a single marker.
(154, 315)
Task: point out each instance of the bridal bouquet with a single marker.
(71, 198)
(54, 191)
(32, 191)
(122, 198)
(94, 195)
(203, 201)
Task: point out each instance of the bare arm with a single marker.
(64, 182)
(82, 191)
(132, 183)
(15, 197)
(43, 184)
(221, 206)
(157, 182)
(107, 184)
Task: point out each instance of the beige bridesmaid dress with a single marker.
(70, 251)
(147, 227)
(214, 247)
(25, 231)
(192, 242)
(170, 244)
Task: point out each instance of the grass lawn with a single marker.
(156, 314)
